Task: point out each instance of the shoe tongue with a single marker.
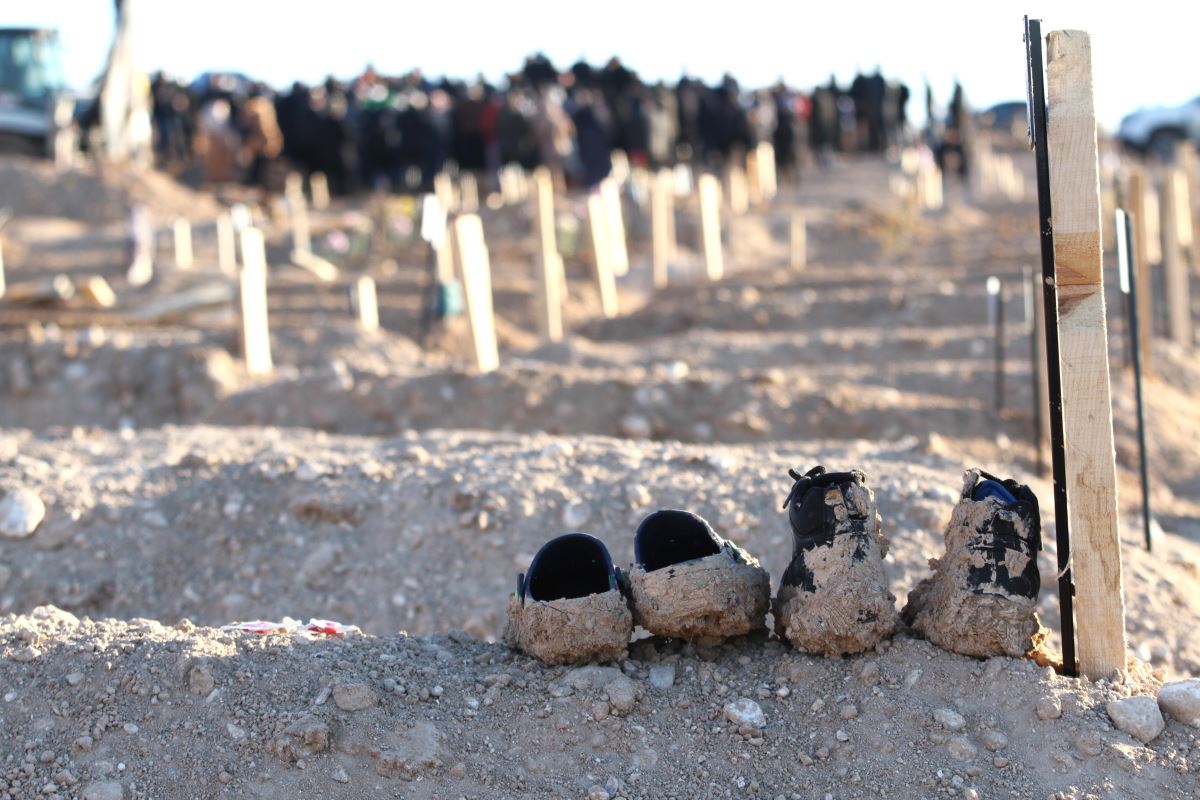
(989, 488)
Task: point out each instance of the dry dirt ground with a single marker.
(381, 484)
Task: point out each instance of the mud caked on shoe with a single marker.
(982, 597)
(569, 608)
(834, 598)
(689, 583)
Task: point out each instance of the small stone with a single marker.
(993, 740)
(662, 676)
(637, 495)
(597, 792)
(103, 790)
(949, 719)
(622, 694)
(235, 733)
(353, 696)
(131, 727)
(1048, 707)
(1089, 743)
(74, 678)
(1138, 716)
(744, 711)
(459, 770)
(200, 680)
(310, 471)
(869, 676)
(849, 712)
(960, 747)
(21, 511)
(26, 654)
(999, 762)
(636, 426)
(575, 515)
(1181, 699)
(340, 775)
(842, 736)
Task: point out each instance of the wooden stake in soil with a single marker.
(1087, 407)
(319, 189)
(662, 229)
(365, 303)
(602, 255)
(610, 191)
(735, 180)
(475, 272)
(767, 177)
(298, 211)
(226, 245)
(799, 241)
(256, 337)
(141, 247)
(550, 272)
(710, 226)
(468, 190)
(182, 234)
(1175, 271)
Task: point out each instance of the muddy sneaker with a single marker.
(569, 608)
(834, 598)
(982, 597)
(689, 583)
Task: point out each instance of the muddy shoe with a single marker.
(982, 597)
(689, 583)
(569, 608)
(834, 598)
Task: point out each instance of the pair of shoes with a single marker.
(981, 599)
(574, 604)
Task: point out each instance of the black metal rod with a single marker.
(1037, 122)
(1126, 253)
(995, 292)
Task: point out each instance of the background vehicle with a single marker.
(1159, 130)
(31, 89)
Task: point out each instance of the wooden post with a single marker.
(662, 228)
(366, 305)
(610, 191)
(226, 245)
(1136, 203)
(767, 176)
(799, 241)
(710, 226)
(182, 234)
(475, 272)
(319, 189)
(1184, 230)
(1087, 406)
(735, 181)
(443, 187)
(141, 233)
(754, 192)
(550, 272)
(468, 190)
(298, 211)
(602, 255)
(255, 334)
(620, 167)
(1175, 271)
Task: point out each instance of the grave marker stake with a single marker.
(1129, 286)
(1090, 463)
(475, 272)
(318, 187)
(602, 254)
(710, 226)
(550, 272)
(226, 245)
(662, 213)
(1037, 133)
(182, 235)
(256, 337)
(365, 303)
(1175, 271)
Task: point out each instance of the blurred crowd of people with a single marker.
(397, 133)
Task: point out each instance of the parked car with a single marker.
(1158, 130)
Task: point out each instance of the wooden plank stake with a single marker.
(182, 235)
(662, 226)
(1136, 203)
(366, 305)
(550, 271)
(256, 336)
(468, 190)
(710, 226)
(298, 211)
(1185, 232)
(610, 191)
(735, 181)
(141, 263)
(226, 245)
(1087, 405)
(799, 241)
(475, 271)
(602, 255)
(319, 189)
(754, 192)
(1175, 272)
(767, 176)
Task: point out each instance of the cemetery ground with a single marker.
(378, 483)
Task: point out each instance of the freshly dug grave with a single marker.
(136, 709)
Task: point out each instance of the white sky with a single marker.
(1143, 52)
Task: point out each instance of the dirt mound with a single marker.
(113, 709)
(92, 193)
